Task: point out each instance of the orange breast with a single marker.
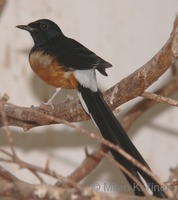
(50, 71)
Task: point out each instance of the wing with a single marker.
(75, 56)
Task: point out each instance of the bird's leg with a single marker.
(50, 101)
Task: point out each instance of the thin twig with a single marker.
(159, 98)
(144, 190)
(133, 114)
(35, 169)
(8, 131)
(90, 163)
(10, 186)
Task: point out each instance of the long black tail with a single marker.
(111, 130)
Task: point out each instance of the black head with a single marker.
(42, 30)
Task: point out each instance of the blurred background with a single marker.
(124, 32)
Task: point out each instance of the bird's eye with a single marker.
(43, 26)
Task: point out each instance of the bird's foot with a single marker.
(47, 106)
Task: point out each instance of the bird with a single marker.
(63, 62)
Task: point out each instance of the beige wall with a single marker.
(127, 33)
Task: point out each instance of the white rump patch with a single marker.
(87, 78)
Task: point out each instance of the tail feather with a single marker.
(111, 130)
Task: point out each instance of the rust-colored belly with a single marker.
(50, 71)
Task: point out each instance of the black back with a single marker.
(48, 36)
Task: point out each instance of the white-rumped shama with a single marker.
(65, 63)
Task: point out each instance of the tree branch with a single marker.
(133, 114)
(159, 98)
(21, 190)
(90, 163)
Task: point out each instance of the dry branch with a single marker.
(132, 115)
(22, 190)
(90, 163)
(103, 141)
(159, 98)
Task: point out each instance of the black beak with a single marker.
(26, 27)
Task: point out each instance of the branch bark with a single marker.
(10, 186)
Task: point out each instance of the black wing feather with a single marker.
(75, 56)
